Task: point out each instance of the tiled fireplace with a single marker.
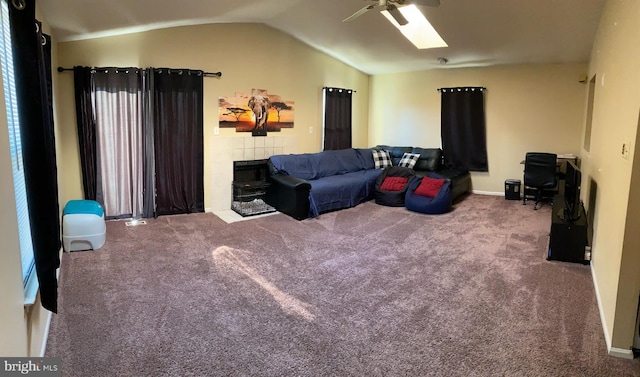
(226, 150)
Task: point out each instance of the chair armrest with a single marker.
(289, 195)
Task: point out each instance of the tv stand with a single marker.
(568, 239)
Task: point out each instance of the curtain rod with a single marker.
(331, 87)
(216, 74)
(461, 88)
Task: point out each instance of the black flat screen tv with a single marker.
(572, 181)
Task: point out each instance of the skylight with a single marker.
(418, 30)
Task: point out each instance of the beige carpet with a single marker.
(367, 291)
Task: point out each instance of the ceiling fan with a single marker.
(392, 8)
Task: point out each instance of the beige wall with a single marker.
(528, 108)
(23, 331)
(248, 55)
(616, 248)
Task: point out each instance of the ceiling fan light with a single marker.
(418, 30)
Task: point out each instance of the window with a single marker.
(24, 227)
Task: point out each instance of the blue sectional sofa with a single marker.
(306, 185)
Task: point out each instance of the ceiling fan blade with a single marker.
(395, 13)
(359, 13)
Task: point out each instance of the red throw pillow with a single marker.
(393, 183)
(429, 187)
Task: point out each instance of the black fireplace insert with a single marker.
(249, 187)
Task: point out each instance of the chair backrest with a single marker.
(540, 170)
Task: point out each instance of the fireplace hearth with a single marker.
(249, 187)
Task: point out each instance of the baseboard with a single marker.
(492, 193)
(621, 353)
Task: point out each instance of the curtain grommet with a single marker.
(19, 4)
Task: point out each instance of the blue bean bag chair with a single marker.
(418, 202)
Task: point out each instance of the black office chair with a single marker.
(539, 174)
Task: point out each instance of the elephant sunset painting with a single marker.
(258, 112)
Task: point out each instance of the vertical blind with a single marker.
(15, 145)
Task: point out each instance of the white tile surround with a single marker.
(225, 150)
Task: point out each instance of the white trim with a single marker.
(324, 114)
(492, 193)
(46, 334)
(621, 353)
(31, 289)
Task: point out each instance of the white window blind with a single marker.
(24, 227)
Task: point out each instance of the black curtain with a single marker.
(463, 133)
(179, 145)
(86, 126)
(337, 118)
(33, 83)
(148, 183)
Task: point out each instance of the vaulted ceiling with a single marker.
(478, 32)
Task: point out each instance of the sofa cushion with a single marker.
(381, 159)
(429, 187)
(430, 158)
(409, 160)
(394, 183)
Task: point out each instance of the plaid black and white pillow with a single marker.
(381, 159)
(409, 160)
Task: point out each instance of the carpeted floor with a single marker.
(366, 291)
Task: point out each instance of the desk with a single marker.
(561, 162)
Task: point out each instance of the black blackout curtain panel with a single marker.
(463, 127)
(178, 140)
(33, 82)
(86, 127)
(337, 118)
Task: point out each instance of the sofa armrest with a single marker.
(289, 195)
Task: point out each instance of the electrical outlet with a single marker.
(310, 130)
(216, 130)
